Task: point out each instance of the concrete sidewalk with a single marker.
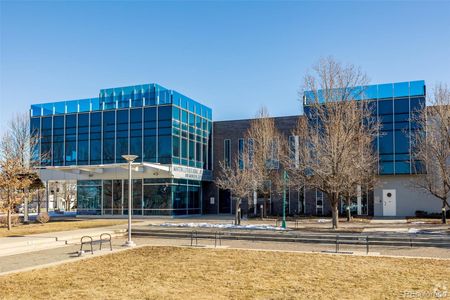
(51, 257)
(41, 241)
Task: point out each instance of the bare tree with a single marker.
(268, 153)
(365, 168)
(336, 137)
(69, 190)
(239, 179)
(17, 159)
(431, 147)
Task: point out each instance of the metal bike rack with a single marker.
(108, 240)
(88, 242)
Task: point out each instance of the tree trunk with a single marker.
(9, 218)
(444, 213)
(67, 203)
(348, 211)
(264, 214)
(39, 202)
(237, 216)
(334, 211)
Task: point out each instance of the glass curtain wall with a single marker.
(157, 124)
(89, 196)
(150, 197)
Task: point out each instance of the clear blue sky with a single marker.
(232, 56)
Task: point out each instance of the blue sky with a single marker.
(232, 56)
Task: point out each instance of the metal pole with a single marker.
(283, 224)
(130, 159)
(130, 194)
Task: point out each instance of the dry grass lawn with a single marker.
(72, 224)
(188, 273)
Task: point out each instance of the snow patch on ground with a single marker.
(222, 226)
(323, 221)
(413, 230)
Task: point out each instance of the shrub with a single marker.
(43, 218)
(14, 220)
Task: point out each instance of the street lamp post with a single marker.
(285, 178)
(129, 159)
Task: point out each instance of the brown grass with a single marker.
(71, 224)
(187, 273)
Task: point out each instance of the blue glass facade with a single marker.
(394, 105)
(158, 125)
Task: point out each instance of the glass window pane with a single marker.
(401, 89)
(417, 88)
(121, 135)
(401, 105)
(71, 147)
(95, 139)
(83, 139)
(109, 126)
(385, 91)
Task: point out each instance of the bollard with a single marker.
(337, 243)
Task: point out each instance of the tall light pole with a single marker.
(129, 159)
(285, 179)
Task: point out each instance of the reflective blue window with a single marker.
(58, 140)
(385, 107)
(387, 168)
(36, 110)
(241, 153)
(401, 142)
(35, 131)
(227, 153)
(71, 139)
(95, 148)
(136, 133)
(401, 89)
(122, 135)
(164, 149)
(176, 146)
(72, 106)
(184, 149)
(371, 92)
(83, 139)
(150, 141)
(386, 142)
(84, 105)
(417, 88)
(59, 107)
(402, 167)
(109, 126)
(47, 109)
(401, 105)
(385, 91)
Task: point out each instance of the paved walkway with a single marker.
(60, 247)
(49, 257)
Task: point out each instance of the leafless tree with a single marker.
(17, 159)
(70, 192)
(267, 155)
(336, 136)
(239, 179)
(431, 147)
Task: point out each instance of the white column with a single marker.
(358, 199)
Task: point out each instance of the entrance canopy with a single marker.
(120, 171)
